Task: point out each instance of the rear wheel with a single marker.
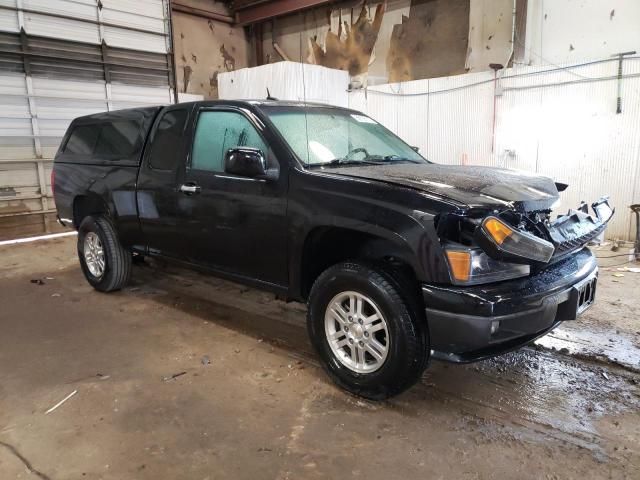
(106, 264)
(370, 341)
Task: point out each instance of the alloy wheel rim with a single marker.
(94, 254)
(357, 332)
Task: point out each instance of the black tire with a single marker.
(117, 269)
(408, 353)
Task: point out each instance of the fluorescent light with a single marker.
(35, 239)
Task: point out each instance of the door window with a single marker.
(167, 141)
(217, 132)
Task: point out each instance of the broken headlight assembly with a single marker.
(471, 266)
(485, 249)
(506, 243)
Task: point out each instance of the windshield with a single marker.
(333, 137)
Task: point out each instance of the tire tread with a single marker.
(118, 258)
(414, 329)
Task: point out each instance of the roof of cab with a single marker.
(265, 103)
(124, 114)
(151, 111)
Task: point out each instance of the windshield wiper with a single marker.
(370, 160)
(397, 158)
(342, 161)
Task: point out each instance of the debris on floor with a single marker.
(61, 402)
(630, 269)
(173, 377)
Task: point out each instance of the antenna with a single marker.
(304, 93)
(269, 97)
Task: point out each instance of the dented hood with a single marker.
(471, 185)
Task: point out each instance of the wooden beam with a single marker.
(199, 12)
(278, 49)
(266, 10)
(257, 38)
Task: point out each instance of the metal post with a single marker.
(35, 128)
(173, 75)
(619, 99)
(636, 209)
(104, 50)
(495, 67)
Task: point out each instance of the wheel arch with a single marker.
(328, 245)
(88, 204)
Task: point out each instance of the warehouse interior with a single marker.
(182, 374)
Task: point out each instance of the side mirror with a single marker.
(245, 162)
(416, 149)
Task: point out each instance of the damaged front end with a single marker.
(488, 246)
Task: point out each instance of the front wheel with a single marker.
(371, 342)
(106, 264)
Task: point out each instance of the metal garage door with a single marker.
(60, 59)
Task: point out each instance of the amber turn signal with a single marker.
(460, 264)
(498, 230)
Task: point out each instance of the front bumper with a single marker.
(460, 318)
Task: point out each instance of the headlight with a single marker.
(503, 242)
(471, 266)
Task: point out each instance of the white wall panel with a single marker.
(78, 90)
(14, 106)
(459, 126)
(130, 96)
(8, 20)
(139, 24)
(413, 119)
(66, 80)
(120, 37)
(12, 85)
(142, 14)
(85, 9)
(148, 15)
(46, 26)
(56, 103)
(285, 81)
(564, 31)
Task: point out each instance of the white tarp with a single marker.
(286, 81)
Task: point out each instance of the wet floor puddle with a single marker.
(550, 395)
(605, 345)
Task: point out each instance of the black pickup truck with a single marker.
(399, 259)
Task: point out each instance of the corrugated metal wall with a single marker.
(558, 121)
(60, 59)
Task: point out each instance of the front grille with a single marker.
(569, 246)
(586, 294)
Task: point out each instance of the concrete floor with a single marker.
(149, 404)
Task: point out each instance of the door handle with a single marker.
(190, 188)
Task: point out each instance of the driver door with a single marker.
(234, 224)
